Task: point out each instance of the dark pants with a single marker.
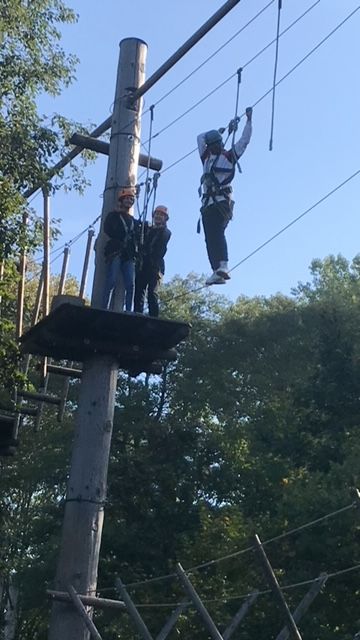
(147, 280)
(215, 219)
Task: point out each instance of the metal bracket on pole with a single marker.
(133, 612)
(240, 615)
(275, 587)
(305, 603)
(199, 606)
(83, 613)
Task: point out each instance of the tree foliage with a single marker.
(254, 429)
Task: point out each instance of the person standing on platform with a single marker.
(151, 267)
(121, 249)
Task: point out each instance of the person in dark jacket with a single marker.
(121, 249)
(152, 266)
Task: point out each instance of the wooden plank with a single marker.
(39, 397)
(171, 622)
(305, 603)
(83, 613)
(275, 587)
(240, 615)
(133, 612)
(64, 371)
(199, 606)
(91, 601)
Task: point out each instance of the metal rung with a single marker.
(64, 371)
(39, 397)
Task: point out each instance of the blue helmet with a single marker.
(213, 137)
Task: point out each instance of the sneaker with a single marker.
(215, 278)
(223, 270)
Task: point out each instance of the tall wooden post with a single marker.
(86, 493)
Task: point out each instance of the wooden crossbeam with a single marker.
(171, 622)
(275, 587)
(83, 613)
(305, 603)
(90, 601)
(133, 612)
(64, 371)
(199, 605)
(240, 615)
(39, 397)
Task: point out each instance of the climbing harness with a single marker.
(210, 186)
(274, 79)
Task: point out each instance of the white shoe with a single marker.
(215, 278)
(223, 270)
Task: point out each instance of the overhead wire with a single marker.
(273, 237)
(242, 596)
(179, 84)
(284, 534)
(275, 73)
(246, 64)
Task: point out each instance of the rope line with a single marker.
(295, 220)
(179, 84)
(273, 237)
(274, 79)
(242, 596)
(224, 82)
(280, 536)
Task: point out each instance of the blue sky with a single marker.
(316, 135)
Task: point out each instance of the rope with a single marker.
(331, 33)
(274, 236)
(242, 596)
(275, 72)
(280, 536)
(216, 52)
(147, 191)
(294, 585)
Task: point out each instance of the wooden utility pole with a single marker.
(86, 493)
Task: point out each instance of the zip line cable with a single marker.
(280, 536)
(259, 53)
(274, 236)
(222, 84)
(216, 52)
(290, 224)
(275, 72)
(243, 596)
(265, 94)
(179, 84)
(69, 243)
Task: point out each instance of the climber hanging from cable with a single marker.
(216, 191)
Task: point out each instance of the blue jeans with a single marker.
(115, 268)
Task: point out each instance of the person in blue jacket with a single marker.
(121, 249)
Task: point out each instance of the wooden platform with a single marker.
(75, 333)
